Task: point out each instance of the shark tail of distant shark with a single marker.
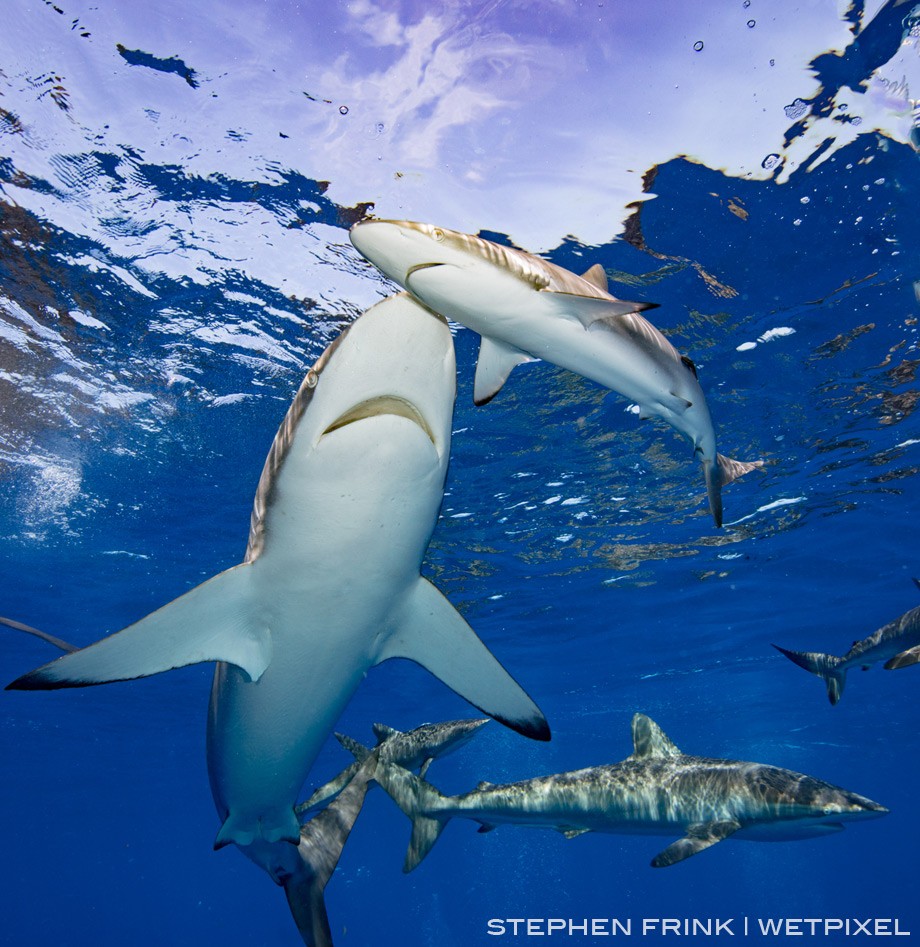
(321, 842)
(331, 789)
(826, 666)
(418, 800)
(721, 472)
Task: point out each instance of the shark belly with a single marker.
(359, 508)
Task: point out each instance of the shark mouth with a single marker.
(377, 407)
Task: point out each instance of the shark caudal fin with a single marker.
(826, 666)
(321, 842)
(721, 473)
(210, 623)
(417, 799)
(431, 632)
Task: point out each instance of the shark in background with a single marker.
(415, 749)
(526, 308)
(656, 791)
(329, 586)
(897, 644)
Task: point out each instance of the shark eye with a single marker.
(437, 234)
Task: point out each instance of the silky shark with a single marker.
(526, 308)
(329, 585)
(897, 644)
(416, 749)
(656, 791)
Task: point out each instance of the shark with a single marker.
(329, 586)
(896, 643)
(656, 791)
(415, 749)
(526, 308)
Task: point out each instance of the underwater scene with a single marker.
(564, 353)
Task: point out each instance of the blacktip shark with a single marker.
(329, 585)
(526, 308)
(656, 791)
(415, 749)
(897, 644)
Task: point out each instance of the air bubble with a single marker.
(343, 110)
(804, 200)
(751, 24)
(380, 128)
(746, 4)
(698, 45)
(770, 162)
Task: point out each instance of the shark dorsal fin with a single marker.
(597, 276)
(383, 732)
(649, 739)
(483, 785)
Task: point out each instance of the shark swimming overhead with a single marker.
(329, 586)
(526, 308)
(656, 791)
(416, 749)
(897, 644)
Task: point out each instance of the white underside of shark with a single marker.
(330, 585)
(526, 308)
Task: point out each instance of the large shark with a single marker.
(329, 585)
(415, 749)
(897, 644)
(526, 308)
(656, 791)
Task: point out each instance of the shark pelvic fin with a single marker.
(431, 632)
(699, 837)
(573, 833)
(496, 362)
(283, 827)
(904, 659)
(591, 309)
(418, 800)
(210, 623)
(649, 739)
(826, 666)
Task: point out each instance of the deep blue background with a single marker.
(638, 605)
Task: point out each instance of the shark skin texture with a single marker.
(897, 644)
(656, 791)
(414, 749)
(526, 308)
(329, 585)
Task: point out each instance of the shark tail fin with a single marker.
(418, 800)
(826, 666)
(321, 842)
(719, 474)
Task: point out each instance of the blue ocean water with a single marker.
(175, 193)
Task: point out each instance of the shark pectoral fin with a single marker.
(210, 623)
(57, 642)
(591, 309)
(904, 659)
(495, 364)
(699, 837)
(423, 770)
(431, 632)
(486, 827)
(573, 833)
